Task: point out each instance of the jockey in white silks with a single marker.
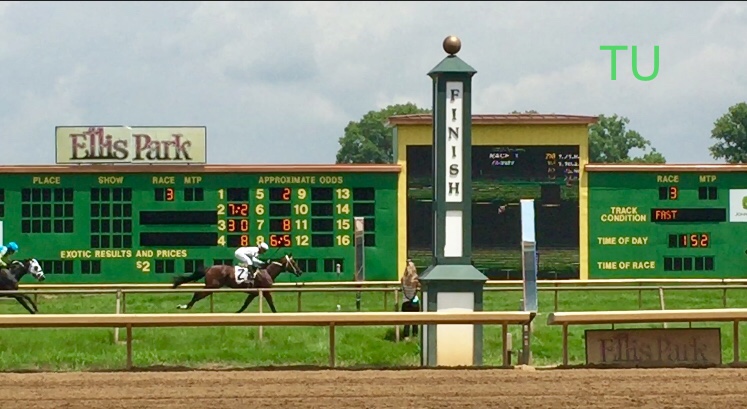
(249, 257)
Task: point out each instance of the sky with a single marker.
(277, 82)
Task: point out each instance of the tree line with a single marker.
(369, 140)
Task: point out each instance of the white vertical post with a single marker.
(118, 310)
(529, 272)
(337, 294)
(360, 256)
(529, 255)
(261, 331)
(396, 304)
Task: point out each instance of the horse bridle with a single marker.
(293, 265)
(296, 270)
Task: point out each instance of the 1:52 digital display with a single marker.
(690, 240)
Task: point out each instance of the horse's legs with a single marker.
(33, 304)
(268, 297)
(196, 297)
(20, 300)
(249, 298)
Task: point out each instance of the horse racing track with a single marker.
(575, 388)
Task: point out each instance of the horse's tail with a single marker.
(181, 279)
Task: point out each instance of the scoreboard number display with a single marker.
(299, 217)
(664, 221)
(141, 224)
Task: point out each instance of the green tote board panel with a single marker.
(668, 224)
(128, 225)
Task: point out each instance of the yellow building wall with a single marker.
(499, 134)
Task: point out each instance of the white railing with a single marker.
(565, 319)
(392, 288)
(363, 284)
(330, 320)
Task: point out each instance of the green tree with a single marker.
(370, 139)
(610, 142)
(731, 132)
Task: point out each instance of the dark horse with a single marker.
(221, 275)
(11, 275)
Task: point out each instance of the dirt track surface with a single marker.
(705, 388)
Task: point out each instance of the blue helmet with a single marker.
(13, 246)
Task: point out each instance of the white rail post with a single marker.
(360, 255)
(509, 348)
(396, 309)
(661, 303)
(117, 310)
(332, 352)
(337, 295)
(261, 330)
(129, 346)
(735, 336)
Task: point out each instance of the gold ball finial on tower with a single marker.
(452, 45)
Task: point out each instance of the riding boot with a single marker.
(252, 274)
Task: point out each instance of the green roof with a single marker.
(452, 64)
(451, 272)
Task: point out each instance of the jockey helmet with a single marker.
(13, 246)
(264, 246)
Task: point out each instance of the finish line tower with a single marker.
(452, 283)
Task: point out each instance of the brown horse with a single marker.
(221, 275)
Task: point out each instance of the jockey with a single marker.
(249, 256)
(6, 252)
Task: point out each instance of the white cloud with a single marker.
(727, 13)
(61, 105)
(283, 79)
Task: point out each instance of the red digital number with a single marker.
(286, 225)
(695, 240)
(169, 194)
(280, 240)
(236, 209)
(699, 240)
(238, 225)
(673, 193)
(286, 193)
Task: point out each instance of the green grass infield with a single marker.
(93, 349)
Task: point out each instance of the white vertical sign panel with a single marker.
(527, 220)
(454, 141)
(360, 253)
(453, 234)
(456, 342)
(424, 333)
